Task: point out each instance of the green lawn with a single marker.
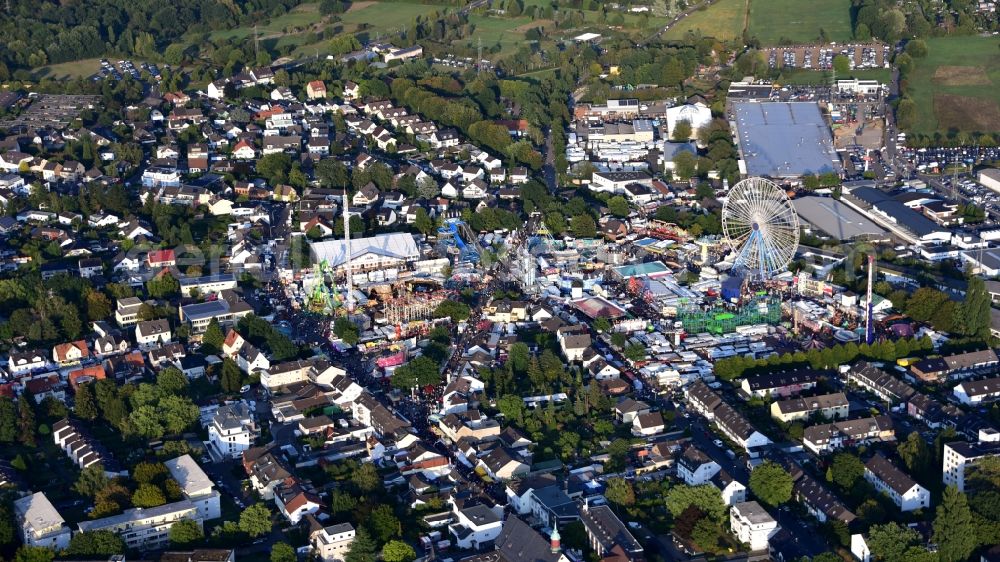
(771, 21)
(723, 20)
(957, 86)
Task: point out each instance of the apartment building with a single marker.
(828, 437)
(752, 525)
(196, 486)
(893, 482)
(830, 406)
(145, 528)
(40, 523)
(331, 543)
(960, 455)
(232, 431)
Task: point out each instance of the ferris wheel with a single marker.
(761, 227)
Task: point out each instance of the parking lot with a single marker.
(118, 70)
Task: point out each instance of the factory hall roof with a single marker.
(785, 139)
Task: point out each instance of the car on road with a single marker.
(717, 442)
(244, 389)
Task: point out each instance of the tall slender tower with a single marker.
(349, 254)
(869, 306)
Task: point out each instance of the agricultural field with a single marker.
(507, 32)
(772, 21)
(70, 70)
(957, 86)
(386, 16)
(724, 20)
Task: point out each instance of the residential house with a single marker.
(648, 425)
(973, 393)
(786, 383)
(23, 362)
(818, 501)
(695, 468)
(503, 463)
(127, 311)
(151, 333)
(475, 526)
(896, 484)
(829, 406)
(608, 536)
(294, 501)
(887, 387)
(70, 353)
(825, 438)
(331, 544)
(739, 430)
(702, 399)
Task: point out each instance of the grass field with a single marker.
(388, 15)
(774, 20)
(723, 20)
(957, 86)
(73, 69)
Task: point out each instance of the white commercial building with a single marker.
(697, 115)
(752, 525)
(382, 251)
(196, 486)
(41, 525)
(989, 177)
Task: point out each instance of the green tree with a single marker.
(455, 310)
(682, 131)
(422, 371)
(8, 525)
(163, 286)
(148, 495)
(620, 492)
(512, 408)
(842, 65)
(8, 420)
(231, 378)
(635, 353)
(954, 527)
(34, 554)
(26, 424)
(846, 470)
(283, 552)
(915, 453)
(186, 533)
(92, 480)
(974, 312)
(423, 222)
(346, 330)
(892, 542)
(618, 206)
(366, 479)
(398, 551)
(171, 381)
(583, 226)
(213, 338)
(256, 520)
(705, 497)
(771, 484)
(362, 548)
(383, 523)
(519, 357)
(95, 543)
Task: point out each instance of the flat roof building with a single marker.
(836, 218)
(41, 524)
(785, 139)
